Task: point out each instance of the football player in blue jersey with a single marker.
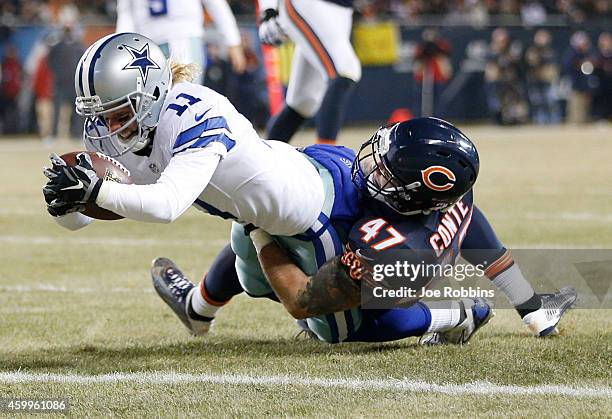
(416, 180)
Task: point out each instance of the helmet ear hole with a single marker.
(156, 93)
(443, 153)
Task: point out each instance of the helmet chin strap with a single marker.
(141, 143)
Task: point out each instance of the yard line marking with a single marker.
(547, 216)
(112, 241)
(61, 288)
(403, 385)
(115, 241)
(556, 246)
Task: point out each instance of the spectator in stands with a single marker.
(63, 59)
(542, 74)
(42, 87)
(218, 69)
(10, 87)
(533, 13)
(504, 84)
(577, 66)
(602, 99)
(432, 69)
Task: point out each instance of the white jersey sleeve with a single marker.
(125, 16)
(195, 136)
(178, 187)
(224, 20)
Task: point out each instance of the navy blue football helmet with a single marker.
(417, 166)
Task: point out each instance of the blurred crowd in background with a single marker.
(523, 81)
(475, 12)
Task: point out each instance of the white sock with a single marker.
(201, 305)
(514, 285)
(445, 315)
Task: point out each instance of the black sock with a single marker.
(285, 124)
(462, 313)
(529, 306)
(331, 113)
(222, 282)
(195, 316)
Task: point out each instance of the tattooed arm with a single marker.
(330, 290)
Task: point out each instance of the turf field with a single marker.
(80, 320)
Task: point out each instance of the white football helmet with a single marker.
(122, 70)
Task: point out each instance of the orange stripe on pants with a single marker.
(312, 39)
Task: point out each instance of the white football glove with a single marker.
(270, 31)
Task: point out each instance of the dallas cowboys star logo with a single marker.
(141, 61)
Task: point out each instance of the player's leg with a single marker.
(196, 306)
(440, 322)
(322, 30)
(249, 272)
(304, 95)
(218, 286)
(481, 246)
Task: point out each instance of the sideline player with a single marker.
(415, 177)
(324, 68)
(177, 26)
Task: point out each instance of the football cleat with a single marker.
(478, 312)
(305, 332)
(176, 291)
(543, 322)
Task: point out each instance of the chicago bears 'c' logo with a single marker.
(427, 173)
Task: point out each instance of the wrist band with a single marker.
(260, 239)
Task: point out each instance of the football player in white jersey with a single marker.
(184, 145)
(177, 26)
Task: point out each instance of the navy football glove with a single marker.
(270, 31)
(70, 188)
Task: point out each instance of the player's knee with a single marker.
(350, 69)
(305, 106)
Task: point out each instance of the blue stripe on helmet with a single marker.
(81, 92)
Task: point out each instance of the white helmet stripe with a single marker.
(86, 78)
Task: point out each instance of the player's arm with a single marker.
(330, 290)
(125, 19)
(186, 176)
(224, 20)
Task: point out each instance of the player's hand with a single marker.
(71, 185)
(270, 31)
(59, 208)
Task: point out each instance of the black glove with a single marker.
(70, 188)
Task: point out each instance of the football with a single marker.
(107, 169)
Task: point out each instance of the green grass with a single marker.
(88, 307)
